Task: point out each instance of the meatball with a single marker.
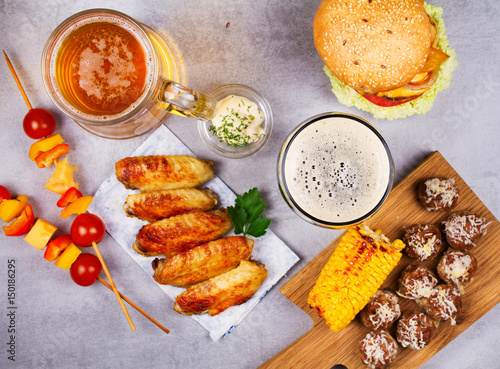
(444, 303)
(423, 241)
(464, 229)
(457, 267)
(415, 330)
(438, 194)
(416, 282)
(381, 311)
(378, 349)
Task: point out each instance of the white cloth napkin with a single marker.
(268, 249)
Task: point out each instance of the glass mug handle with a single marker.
(185, 101)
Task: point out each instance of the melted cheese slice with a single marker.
(402, 92)
(434, 61)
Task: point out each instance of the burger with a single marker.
(387, 57)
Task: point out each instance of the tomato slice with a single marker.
(383, 102)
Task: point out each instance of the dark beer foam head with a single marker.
(337, 170)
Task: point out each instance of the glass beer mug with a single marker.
(116, 77)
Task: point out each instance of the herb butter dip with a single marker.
(238, 121)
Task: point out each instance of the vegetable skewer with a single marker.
(113, 287)
(87, 230)
(38, 122)
(14, 74)
(154, 321)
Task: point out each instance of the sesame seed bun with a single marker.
(373, 45)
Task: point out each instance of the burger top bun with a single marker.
(373, 45)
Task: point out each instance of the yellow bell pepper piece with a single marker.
(40, 234)
(62, 179)
(45, 144)
(68, 256)
(78, 206)
(10, 209)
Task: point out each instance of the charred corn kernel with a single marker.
(355, 271)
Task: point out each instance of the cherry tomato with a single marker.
(87, 228)
(4, 193)
(39, 123)
(85, 269)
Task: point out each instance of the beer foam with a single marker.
(337, 169)
(90, 68)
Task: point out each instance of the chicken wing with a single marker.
(173, 235)
(163, 172)
(152, 206)
(219, 293)
(202, 262)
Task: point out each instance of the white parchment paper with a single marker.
(268, 249)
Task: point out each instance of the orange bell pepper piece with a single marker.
(78, 206)
(10, 209)
(62, 179)
(68, 256)
(45, 144)
(56, 246)
(40, 234)
(22, 224)
(46, 158)
(69, 196)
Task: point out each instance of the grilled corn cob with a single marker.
(355, 271)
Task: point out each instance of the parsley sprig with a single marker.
(246, 214)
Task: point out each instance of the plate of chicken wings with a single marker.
(167, 210)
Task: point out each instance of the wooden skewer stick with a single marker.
(14, 74)
(113, 287)
(154, 321)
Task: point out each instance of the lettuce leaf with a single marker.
(348, 96)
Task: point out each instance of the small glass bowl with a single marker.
(322, 165)
(234, 152)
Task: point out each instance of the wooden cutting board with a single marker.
(321, 347)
